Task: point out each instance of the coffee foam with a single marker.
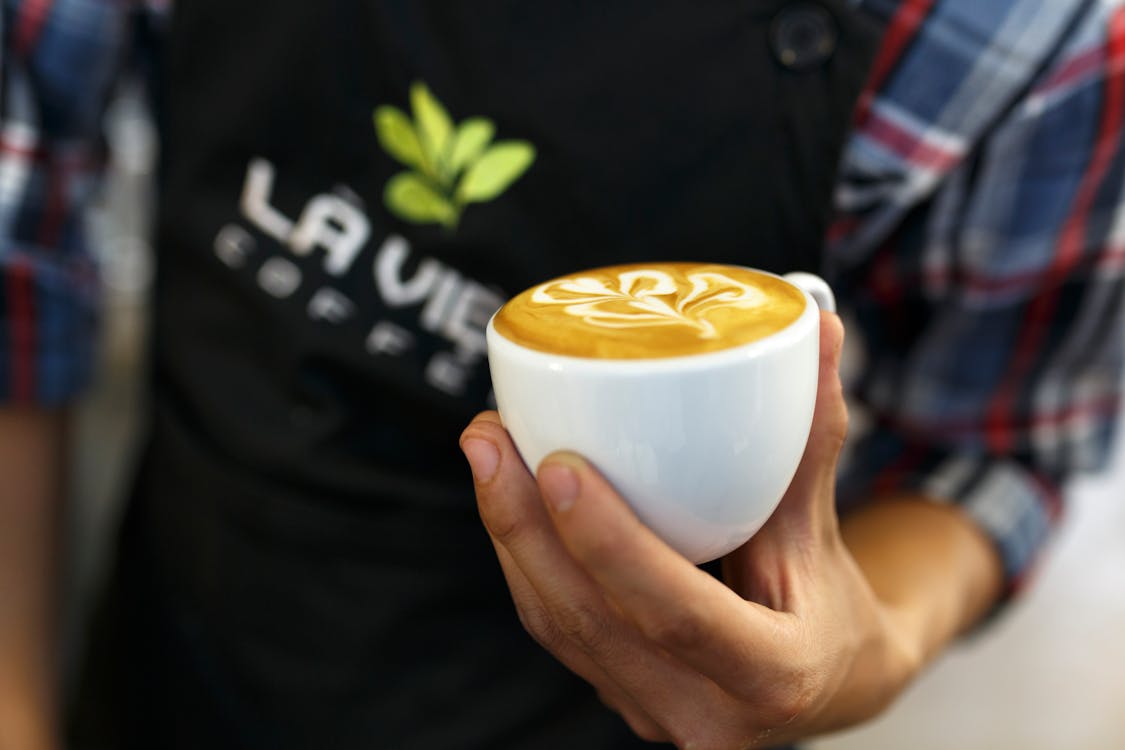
(652, 310)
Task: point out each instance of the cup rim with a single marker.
(781, 339)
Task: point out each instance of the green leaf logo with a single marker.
(397, 136)
(494, 171)
(413, 198)
(473, 137)
(448, 166)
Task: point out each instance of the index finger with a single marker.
(738, 644)
(513, 512)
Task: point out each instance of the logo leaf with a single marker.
(451, 166)
(410, 196)
(470, 141)
(434, 125)
(494, 171)
(397, 137)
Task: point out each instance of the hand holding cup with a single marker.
(791, 643)
(689, 386)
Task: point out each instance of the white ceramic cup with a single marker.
(702, 446)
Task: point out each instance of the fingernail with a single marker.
(483, 458)
(559, 484)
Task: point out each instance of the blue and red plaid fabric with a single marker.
(56, 65)
(980, 240)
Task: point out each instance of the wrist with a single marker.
(888, 665)
(906, 643)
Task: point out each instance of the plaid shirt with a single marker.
(980, 241)
(56, 65)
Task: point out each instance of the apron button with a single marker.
(803, 36)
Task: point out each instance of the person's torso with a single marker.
(349, 191)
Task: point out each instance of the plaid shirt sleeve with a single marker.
(981, 237)
(57, 61)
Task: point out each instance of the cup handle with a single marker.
(817, 287)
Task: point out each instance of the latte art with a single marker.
(649, 297)
(650, 310)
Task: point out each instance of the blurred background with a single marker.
(1048, 675)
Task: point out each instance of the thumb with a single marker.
(810, 502)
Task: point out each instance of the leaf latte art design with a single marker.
(644, 298)
(650, 311)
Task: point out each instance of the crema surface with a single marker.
(652, 310)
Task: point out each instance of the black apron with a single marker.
(302, 565)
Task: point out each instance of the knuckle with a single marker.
(684, 737)
(505, 521)
(787, 706)
(642, 726)
(647, 731)
(609, 701)
(539, 625)
(584, 623)
(785, 709)
(839, 415)
(685, 631)
(838, 429)
(703, 738)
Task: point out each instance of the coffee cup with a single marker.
(690, 386)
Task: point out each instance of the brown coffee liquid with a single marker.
(650, 310)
